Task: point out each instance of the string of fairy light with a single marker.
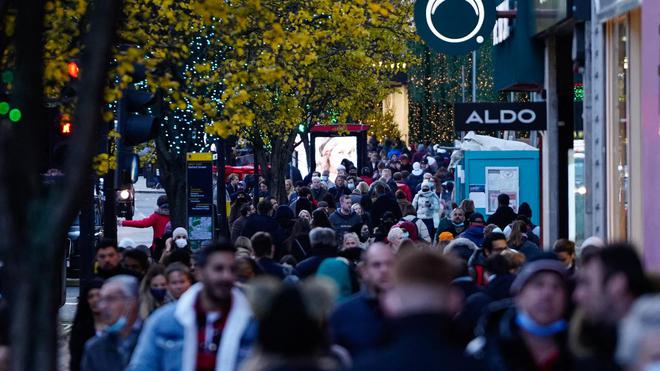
(435, 84)
(183, 131)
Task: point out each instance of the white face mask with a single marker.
(181, 243)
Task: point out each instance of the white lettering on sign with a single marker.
(502, 29)
(506, 116)
(531, 116)
(474, 118)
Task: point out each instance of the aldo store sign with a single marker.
(455, 26)
(500, 116)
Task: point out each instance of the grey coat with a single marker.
(107, 352)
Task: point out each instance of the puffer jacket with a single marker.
(427, 204)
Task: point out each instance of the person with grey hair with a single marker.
(461, 248)
(323, 243)
(112, 349)
(638, 348)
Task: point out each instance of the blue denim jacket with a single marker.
(168, 341)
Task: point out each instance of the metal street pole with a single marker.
(474, 76)
(109, 212)
(86, 239)
(463, 83)
(221, 188)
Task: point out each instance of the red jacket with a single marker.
(156, 221)
(367, 179)
(404, 187)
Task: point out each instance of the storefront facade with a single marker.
(622, 106)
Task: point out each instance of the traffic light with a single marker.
(72, 69)
(70, 89)
(137, 123)
(66, 126)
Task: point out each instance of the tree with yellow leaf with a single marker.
(252, 68)
(290, 62)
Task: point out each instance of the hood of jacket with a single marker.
(163, 211)
(429, 193)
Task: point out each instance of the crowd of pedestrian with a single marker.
(376, 270)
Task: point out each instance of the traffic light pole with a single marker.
(86, 239)
(109, 211)
(109, 214)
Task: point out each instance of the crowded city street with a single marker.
(321, 185)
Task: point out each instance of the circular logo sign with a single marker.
(454, 26)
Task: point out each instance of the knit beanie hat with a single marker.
(180, 232)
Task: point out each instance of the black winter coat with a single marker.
(504, 215)
(420, 342)
(382, 205)
(503, 349)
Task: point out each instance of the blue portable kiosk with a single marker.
(482, 175)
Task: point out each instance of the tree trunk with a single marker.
(308, 151)
(34, 220)
(173, 178)
(275, 162)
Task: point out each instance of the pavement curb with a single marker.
(150, 191)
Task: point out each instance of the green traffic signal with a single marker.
(7, 77)
(4, 108)
(301, 128)
(15, 115)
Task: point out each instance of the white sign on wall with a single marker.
(502, 29)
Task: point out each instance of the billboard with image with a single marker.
(331, 150)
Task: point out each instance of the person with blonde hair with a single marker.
(468, 208)
(395, 237)
(363, 187)
(243, 247)
(350, 241)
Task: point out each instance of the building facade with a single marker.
(622, 104)
(599, 71)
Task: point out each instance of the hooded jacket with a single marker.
(427, 204)
(157, 220)
(474, 234)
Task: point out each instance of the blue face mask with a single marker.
(117, 326)
(528, 324)
(458, 224)
(159, 294)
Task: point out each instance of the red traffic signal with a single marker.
(66, 127)
(73, 70)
